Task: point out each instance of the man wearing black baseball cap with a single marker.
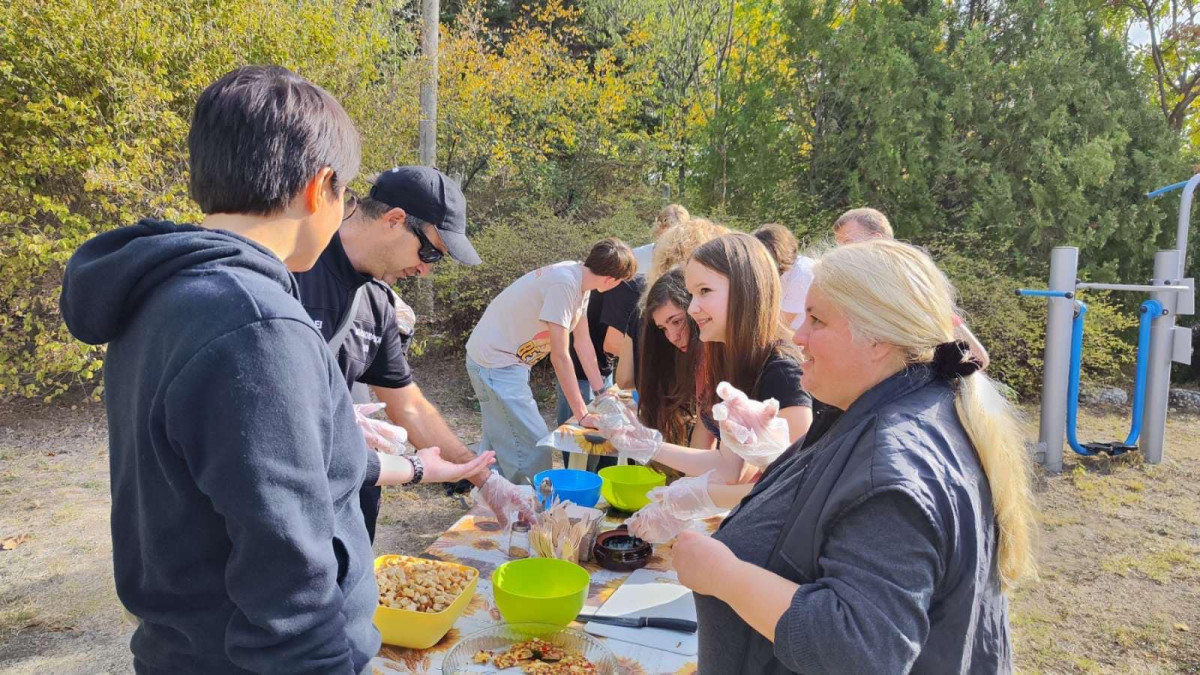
(412, 217)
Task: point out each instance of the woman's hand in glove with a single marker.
(655, 524)
(687, 498)
(752, 429)
(505, 499)
(631, 438)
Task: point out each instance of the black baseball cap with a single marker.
(434, 197)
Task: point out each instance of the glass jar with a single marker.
(517, 545)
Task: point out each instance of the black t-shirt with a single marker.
(780, 380)
(634, 331)
(374, 352)
(596, 329)
(609, 309)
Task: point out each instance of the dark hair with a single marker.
(612, 257)
(753, 329)
(667, 392)
(259, 134)
(373, 209)
(780, 243)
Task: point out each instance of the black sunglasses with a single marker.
(428, 253)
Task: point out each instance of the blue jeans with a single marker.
(585, 388)
(512, 425)
(564, 413)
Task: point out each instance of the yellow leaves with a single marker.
(529, 99)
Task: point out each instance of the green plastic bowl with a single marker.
(540, 590)
(625, 487)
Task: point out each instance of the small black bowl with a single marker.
(619, 551)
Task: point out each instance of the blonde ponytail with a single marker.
(991, 423)
(891, 292)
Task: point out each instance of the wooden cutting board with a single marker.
(654, 594)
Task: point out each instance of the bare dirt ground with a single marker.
(1120, 587)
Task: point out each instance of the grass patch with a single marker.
(1110, 492)
(1145, 637)
(1035, 636)
(1181, 561)
(16, 618)
(67, 513)
(1055, 519)
(93, 485)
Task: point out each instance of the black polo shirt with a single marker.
(374, 352)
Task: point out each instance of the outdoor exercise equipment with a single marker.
(1160, 342)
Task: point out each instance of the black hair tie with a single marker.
(953, 359)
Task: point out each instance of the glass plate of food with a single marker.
(533, 648)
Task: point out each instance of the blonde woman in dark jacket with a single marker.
(889, 544)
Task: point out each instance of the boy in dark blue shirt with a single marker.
(236, 462)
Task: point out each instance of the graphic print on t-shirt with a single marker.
(535, 349)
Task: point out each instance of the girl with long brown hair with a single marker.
(734, 290)
(671, 341)
(735, 302)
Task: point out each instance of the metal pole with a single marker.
(429, 82)
(1144, 288)
(1158, 379)
(1185, 215)
(1064, 263)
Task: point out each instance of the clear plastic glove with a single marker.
(687, 498)
(655, 524)
(505, 499)
(598, 405)
(380, 436)
(752, 429)
(621, 427)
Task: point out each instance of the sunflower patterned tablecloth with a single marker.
(475, 540)
(574, 438)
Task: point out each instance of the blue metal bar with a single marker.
(1073, 382)
(1044, 294)
(1164, 190)
(1149, 311)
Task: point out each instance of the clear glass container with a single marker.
(517, 545)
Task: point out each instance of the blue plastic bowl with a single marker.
(573, 485)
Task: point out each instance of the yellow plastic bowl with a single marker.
(540, 590)
(625, 487)
(421, 630)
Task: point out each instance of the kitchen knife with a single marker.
(681, 625)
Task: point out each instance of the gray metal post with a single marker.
(1158, 377)
(427, 127)
(1185, 215)
(1064, 263)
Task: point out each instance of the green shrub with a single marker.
(510, 249)
(95, 97)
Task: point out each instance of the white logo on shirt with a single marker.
(368, 338)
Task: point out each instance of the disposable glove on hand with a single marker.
(599, 403)
(504, 499)
(655, 524)
(621, 427)
(687, 498)
(752, 429)
(380, 436)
